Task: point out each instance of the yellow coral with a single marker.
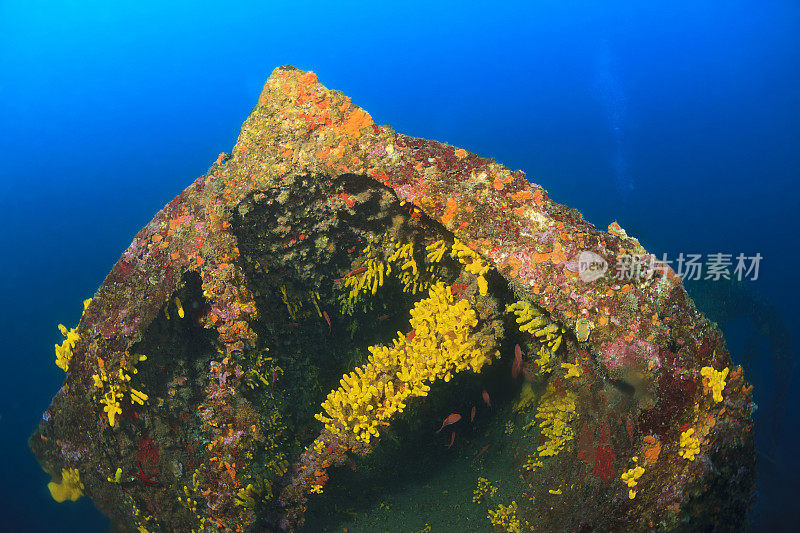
(505, 518)
(435, 251)
(690, 445)
(484, 488)
(544, 361)
(247, 496)
(374, 270)
(64, 351)
(527, 397)
(111, 388)
(631, 478)
(441, 346)
(532, 463)
(179, 307)
(364, 280)
(117, 476)
(292, 302)
(716, 381)
(556, 412)
(70, 487)
(473, 262)
(573, 370)
(535, 322)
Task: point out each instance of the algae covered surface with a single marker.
(342, 327)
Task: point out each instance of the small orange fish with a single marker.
(382, 318)
(486, 399)
(353, 272)
(328, 320)
(517, 366)
(451, 419)
(472, 415)
(483, 450)
(452, 440)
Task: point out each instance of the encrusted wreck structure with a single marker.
(324, 297)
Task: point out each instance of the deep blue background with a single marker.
(679, 121)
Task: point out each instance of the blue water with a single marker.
(680, 121)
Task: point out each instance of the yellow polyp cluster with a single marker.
(544, 360)
(260, 370)
(247, 496)
(526, 399)
(473, 262)
(191, 503)
(435, 251)
(403, 256)
(716, 381)
(413, 279)
(111, 388)
(440, 347)
(117, 476)
(535, 322)
(556, 413)
(573, 370)
(319, 446)
(631, 478)
(372, 273)
(110, 398)
(374, 269)
(314, 295)
(484, 488)
(292, 302)
(179, 307)
(64, 351)
(70, 488)
(505, 518)
(690, 445)
(532, 463)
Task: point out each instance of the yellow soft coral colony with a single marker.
(370, 276)
(531, 320)
(505, 518)
(556, 413)
(484, 488)
(716, 381)
(473, 262)
(440, 347)
(111, 387)
(408, 271)
(70, 487)
(631, 478)
(690, 445)
(373, 271)
(64, 351)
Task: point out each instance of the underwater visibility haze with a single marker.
(417, 267)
